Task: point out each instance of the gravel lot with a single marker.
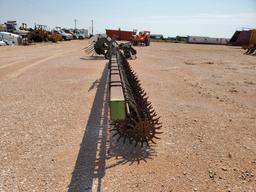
(54, 132)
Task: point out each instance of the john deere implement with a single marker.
(99, 44)
(132, 115)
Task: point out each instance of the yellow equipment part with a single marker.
(54, 37)
(253, 38)
(251, 48)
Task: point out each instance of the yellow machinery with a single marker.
(252, 43)
(39, 34)
(54, 36)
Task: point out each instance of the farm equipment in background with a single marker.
(11, 26)
(53, 36)
(120, 35)
(12, 35)
(131, 113)
(39, 34)
(99, 44)
(128, 51)
(141, 38)
(24, 27)
(246, 39)
(251, 48)
(23, 31)
(65, 36)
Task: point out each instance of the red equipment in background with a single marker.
(143, 37)
(120, 35)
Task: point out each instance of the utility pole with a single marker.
(75, 22)
(92, 27)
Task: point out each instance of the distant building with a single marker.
(182, 38)
(156, 36)
(207, 40)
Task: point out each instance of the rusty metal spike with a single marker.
(156, 122)
(156, 119)
(156, 137)
(153, 115)
(119, 138)
(130, 125)
(115, 134)
(124, 139)
(159, 123)
(152, 111)
(143, 93)
(148, 103)
(149, 107)
(133, 120)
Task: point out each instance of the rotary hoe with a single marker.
(99, 45)
(133, 118)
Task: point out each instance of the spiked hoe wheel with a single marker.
(132, 115)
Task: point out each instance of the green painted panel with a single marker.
(117, 109)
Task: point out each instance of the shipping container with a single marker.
(120, 34)
(207, 40)
(244, 38)
(234, 38)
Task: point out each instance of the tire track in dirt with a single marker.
(12, 63)
(14, 66)
(13, 71)
(18, 72)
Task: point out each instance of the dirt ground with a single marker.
(54, 129)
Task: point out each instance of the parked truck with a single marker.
(65, 36)
(10, 38)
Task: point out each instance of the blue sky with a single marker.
(216, 18)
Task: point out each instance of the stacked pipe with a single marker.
(141, 124)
